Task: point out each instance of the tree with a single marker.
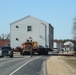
(5, 36)
(8, 36)
(74, 28)
(74, 33)
(2, 36)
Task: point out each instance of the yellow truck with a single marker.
(33, 47)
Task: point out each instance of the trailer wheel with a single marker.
(39, 53)
(23, 53)
(33, 53)
(46, 53)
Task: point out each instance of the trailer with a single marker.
(31, 29)
(32, 47)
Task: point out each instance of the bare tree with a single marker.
(74, 28)
(5, 36)
(8, 36)
(0, 37)
(74, 33)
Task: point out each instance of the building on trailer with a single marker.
(31, 29)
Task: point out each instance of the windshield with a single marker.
(4, 48)
(27, 48)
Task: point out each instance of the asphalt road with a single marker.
(23, 65)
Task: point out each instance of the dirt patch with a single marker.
(56, 65)
(71, 61)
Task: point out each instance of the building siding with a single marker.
(37, 33)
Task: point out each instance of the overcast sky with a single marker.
(59, 13)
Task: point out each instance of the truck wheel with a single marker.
(33, 53)
(11, 56)
(39, 53)
(23, 53)
(46, 53)
(2, 56)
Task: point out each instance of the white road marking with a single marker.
(23, 65)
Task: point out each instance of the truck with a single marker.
(26, 48)
(33, 47)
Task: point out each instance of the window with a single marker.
(29, 28)
(31, 40)
(17, 39)
(27, 40)
(17, 27)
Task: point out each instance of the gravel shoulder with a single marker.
(56, 65)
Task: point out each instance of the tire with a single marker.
(39, 53)
(23, 53)
(46, 53)
(11, 56)
(33, 53)
(2, 56)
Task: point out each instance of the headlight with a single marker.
(0, 51)
(9, 51)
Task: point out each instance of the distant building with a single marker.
(31, 29)
(57, 44)
(4, 43)
(68, 45)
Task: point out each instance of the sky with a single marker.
(59, 13)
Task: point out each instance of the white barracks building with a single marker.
(31, 29)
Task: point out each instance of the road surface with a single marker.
(23, 65)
